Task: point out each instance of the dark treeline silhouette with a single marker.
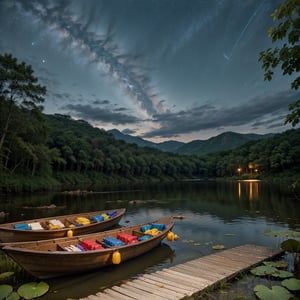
(43, 152)
(47, 151)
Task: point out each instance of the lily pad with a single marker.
(291, 245)
(275, 293)
(218, 247)
(13, 296)
(282, 274)
(280, 264)
(284, 234)
(5, 290)
(263, 270)
(269, 270)
(33, 290)
(292, 284)
(6, 276)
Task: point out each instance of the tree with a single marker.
(287, 56)
(18, 87)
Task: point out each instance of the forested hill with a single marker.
(83, 148)
(221, 142)
(49, 151)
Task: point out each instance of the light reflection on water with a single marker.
(226, 213)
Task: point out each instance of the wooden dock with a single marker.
(189, 278)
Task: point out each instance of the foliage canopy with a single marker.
(287, 56)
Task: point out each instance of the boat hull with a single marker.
(9, 234)
(42, 261)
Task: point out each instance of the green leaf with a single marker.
(291, 245)
(13, 296)
(277, 264)
(5, 290)
(218, 247)
(275, 293)
(282, 274)
(270, 270)
(33, 289)
(263, 270)
(292, 284)
(286, 234)
(6, 276)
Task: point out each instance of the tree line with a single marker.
(39, 151)
(47, 151)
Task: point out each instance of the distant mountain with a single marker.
(131, 139)
(170, 146)
(221, 142)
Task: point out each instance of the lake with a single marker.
(228, 213)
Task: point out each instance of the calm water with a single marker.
(226, 213)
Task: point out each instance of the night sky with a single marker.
(158, 69)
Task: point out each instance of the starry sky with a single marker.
(159, 69)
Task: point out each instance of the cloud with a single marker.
(128, 131)
(101, 102)
(260, 111)
(74, 33)
(93, 114)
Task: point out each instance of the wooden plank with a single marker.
(178, 280)
(170, 284)
(116, 295)
(168, 287)
(218, 263)
(162, 293)
(213, 267)
(152, 294)
(138, 293)
(203, 273)
(104, 296)
(189, 278)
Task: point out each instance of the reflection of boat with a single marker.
(57, 257)
(58, 226)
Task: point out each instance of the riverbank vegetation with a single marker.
(46, 152)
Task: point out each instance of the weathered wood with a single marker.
(115, 295)
(147, 292)
(43, 259)
(156, 284)
(192, 277)
(167, 293)
(9, 234)
(161, 282)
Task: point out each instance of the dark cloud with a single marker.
(210, 117)
(101, 102)
(168, 67)
(129, 131)
(90, 113)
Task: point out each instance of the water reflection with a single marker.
(248, 188)
(229, 213)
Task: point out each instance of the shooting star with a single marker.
(228, 57)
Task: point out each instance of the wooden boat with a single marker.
(58, 226)
(57, 257)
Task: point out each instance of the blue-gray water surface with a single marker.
(213, 213)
